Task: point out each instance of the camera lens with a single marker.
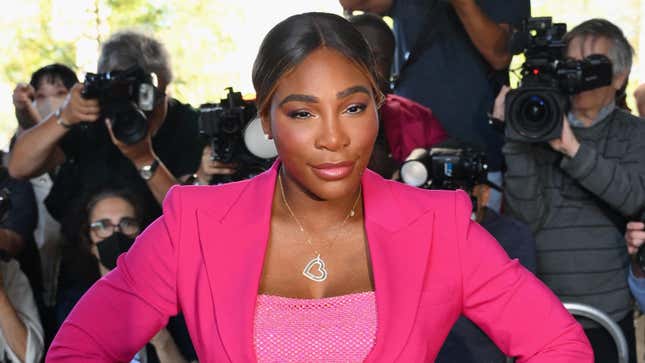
(534, 110)
(414, 173)
(535, 114)
(129, 125)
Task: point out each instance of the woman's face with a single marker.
(108, 213)
(323, 119)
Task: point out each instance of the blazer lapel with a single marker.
(233, 246)
(399, 238)
(234, 242)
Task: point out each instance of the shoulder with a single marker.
(204, 196)
(181, 117)
(626, 130)
(176, 106)
(453, 203)
(12, 275)
(628, 122)
(402, 104)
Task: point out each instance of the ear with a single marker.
(266, 126)
(619, 80)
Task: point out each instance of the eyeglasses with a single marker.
(104, 227)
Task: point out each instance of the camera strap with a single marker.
(428, 35)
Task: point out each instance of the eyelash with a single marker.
(361, 107)
(301, 114)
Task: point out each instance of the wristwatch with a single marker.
(60, 120)
(147, 171)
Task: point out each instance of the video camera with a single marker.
(534, 111)
(235, 135)
(445, 168)
(126, 98)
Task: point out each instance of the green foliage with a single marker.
(32, 46)
(136, 13)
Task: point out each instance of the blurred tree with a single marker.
(36, 46)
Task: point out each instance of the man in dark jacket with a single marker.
(576, 192)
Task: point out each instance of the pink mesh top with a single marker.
(335, 329)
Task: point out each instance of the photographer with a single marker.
(452, 56)
(209, 168)
(577, 191)
(94, 157)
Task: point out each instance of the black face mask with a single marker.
(111, 247)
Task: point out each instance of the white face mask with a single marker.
(45, 106)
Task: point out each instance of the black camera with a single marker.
(445, 168)
(534, 111)
(235, 135)
(126, 98)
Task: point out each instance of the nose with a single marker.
(332, 135)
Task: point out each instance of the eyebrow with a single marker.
(299, 98)
(313, 99)
(352, 90)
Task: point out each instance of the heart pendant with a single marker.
(310, 270)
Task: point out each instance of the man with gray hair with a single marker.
(88, 153)
(578, 191)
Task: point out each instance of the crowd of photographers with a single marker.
(91, 161)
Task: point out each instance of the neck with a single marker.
(313, 212)
(588, 117)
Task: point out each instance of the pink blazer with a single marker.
(430, 263)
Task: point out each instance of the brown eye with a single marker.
(300, 114)
(356, 108)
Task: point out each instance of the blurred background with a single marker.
(212, 43)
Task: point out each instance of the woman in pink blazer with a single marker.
(318, 259)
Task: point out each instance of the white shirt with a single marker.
(48, 229)
(21, 297)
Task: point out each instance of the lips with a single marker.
(334, 171)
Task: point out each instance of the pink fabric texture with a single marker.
(334, 329)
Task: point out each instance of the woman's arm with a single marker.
(167, 350)
(516, 310)
(128, 306)
(19, 321)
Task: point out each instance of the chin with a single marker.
(331, 190)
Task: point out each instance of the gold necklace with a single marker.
(316, 262)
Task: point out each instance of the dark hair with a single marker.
(621, 52)
(293, 39)
(76, 226)
(384, 35)
(79, 267)
(50, 73)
